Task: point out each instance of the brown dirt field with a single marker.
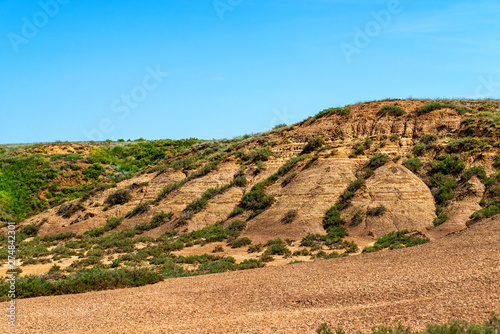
(457, 276)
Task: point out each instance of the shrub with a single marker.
(240, 181)
(262, 154)
(377, 161)
(419, 149)
(277, 249)
(391, 110)
(396, 239)
(436, 106)
(313, 144)
(256, 199)
(348, 194)
(447, 164)
(119, 197)
(30, 230)
(474, 171)
(332, 111)
(218, 249)
(250, 264)
(357, 218)
(240, 242)
(255, 248)
(333, 218)
(288, 179)
(160, 219)
(428, 139)
(413, 164)
(441, 218)
(236, 211)
(466, 144)
(289, 217)
(487, 212)
(377, 211)
(139, 209)
(68, 210)
(394, 137)
(82, 281)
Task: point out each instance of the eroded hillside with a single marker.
(333, 185)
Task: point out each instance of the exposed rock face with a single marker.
(311, 193)
(408, 202)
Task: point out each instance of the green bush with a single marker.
(357, 218)
(313, 144)
(139, 209)
(255, 248)
(287, 179)
(413, 164)
(277, 249)
(81, 281)
(119, 197)
(437, 105)
(262, 154)
(240, 242)
(391, 110)
(333, 218)
(488, 212)
(428, 139)
(332, 111)
(467, 144)
(377, 211)
(256, 199)
(289, 217)
(30, 230)
(447, 164)
(58, 237)
(377, 161)
(250, 264)
(419, 149)
(395, 240)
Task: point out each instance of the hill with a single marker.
(368, 177)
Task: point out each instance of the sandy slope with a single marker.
(457, 276)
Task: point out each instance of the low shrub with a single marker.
(313, 144)
(289, 217)
(377, 211)
(391, 110)
(139, 209)
(332, 111)
(30, 230)
(240, 242)
(119, 197)
(447, 164)
(413, 164)
(81, 281)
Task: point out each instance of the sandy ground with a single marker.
(455, 277)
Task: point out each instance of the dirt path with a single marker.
(457, 276)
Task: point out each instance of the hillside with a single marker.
(334, 185)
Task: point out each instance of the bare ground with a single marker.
(457, 276)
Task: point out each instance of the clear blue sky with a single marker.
(81, 70)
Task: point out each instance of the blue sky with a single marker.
(82, 70)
